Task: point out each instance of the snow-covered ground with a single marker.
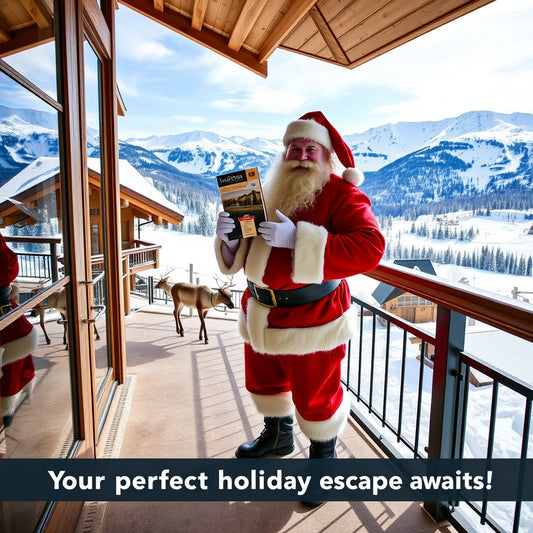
(506, 230)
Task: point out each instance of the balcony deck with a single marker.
(187, 400)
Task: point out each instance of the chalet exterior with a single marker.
(29, 195)
(408, 306)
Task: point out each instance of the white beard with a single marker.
(290, 190)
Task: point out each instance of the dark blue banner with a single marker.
(265, 480)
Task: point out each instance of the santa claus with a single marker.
(296, 313)
(17, 341)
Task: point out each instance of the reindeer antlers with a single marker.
(166, 275)
(225, 284)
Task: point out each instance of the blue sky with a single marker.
(171, 85)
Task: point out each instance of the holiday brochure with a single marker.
(242, 197)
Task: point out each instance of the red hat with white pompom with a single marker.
(316, 127)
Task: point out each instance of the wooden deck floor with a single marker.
(189, 401)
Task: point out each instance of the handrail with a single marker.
(32, 239)
(512, 316)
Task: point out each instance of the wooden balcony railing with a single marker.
(421, 406)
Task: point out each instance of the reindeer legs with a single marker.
(202, 314)
(179, 326)
(40, 312)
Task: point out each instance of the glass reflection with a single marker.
(38, 65)
(97, 218)
(35, 384)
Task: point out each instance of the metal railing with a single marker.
(37, 265)
(428, 391)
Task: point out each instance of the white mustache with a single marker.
(300, 164)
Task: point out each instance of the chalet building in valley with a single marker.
(403, 304)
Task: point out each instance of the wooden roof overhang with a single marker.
(347, 33)
(23, 209)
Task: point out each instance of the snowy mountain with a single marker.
(473, 154)
(207, 154)
(25, 135)
(406, 163)
(477, 152)
(380, 146)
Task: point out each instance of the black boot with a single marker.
(321, 450)
(275, 439)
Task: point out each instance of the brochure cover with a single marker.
(242, 197)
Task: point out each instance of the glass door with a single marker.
(104, 223)
(98, 223)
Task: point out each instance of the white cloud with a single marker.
(480, 61)
(152, 51)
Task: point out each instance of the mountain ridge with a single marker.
(475, 153)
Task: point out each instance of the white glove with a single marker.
(225, 225)
(279, 234)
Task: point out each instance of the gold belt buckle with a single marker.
(271, 291)
(4, 309)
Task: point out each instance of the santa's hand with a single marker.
(279, 234)
(225, 225)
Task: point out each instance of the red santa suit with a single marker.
(293, 354)
(17, 341)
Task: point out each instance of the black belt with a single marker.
(303, 295)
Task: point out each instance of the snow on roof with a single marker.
(501, 350)
(35, 173)
(44, 168)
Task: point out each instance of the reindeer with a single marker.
(200, 297)
(57, 300)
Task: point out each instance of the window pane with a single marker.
(35, 387)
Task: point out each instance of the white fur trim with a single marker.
(10, 403)
(257, 260)
(238, 262)
(308, 129)
(309, 253)
(20, 348)
(277, 405)
(255, 326)
(326, 429)
(297, 341)
(353, 175)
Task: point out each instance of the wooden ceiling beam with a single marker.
(208, 38)
(404, 31)
(5, 33)
(328, 36)
(159, 5)
(198, 14)
(25, 39)
(296, 12)
(39, 12)
(248, 16)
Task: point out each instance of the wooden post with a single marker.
(447, 394)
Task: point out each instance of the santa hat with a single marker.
(316, 127)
